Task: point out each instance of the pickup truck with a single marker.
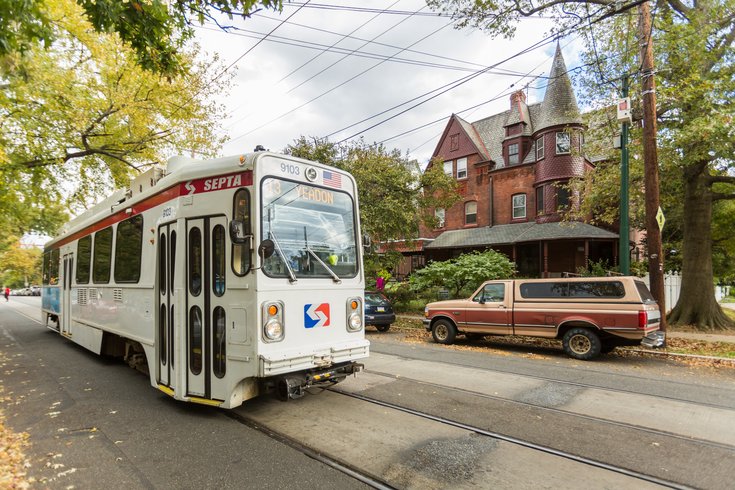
(591, 315)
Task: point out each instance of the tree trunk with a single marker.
(697, 305)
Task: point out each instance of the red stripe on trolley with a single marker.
(197, 186)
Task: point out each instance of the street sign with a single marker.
(624, 115)
(660, 218)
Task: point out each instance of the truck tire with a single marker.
(443, 332)
(582, 343)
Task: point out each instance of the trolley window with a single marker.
(195, 261)
(241, 252)
(172, 271)
(195, 340)
(162, 263)
(102, 256)
(51, 267)
(219, 365)
(218, 260)
(84, 258)
(312, 228)
(162, 331)
(128, 246)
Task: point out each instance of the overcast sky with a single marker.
(288, 85)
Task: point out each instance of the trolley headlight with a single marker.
(273, 329)
(273, 325)
(354, 314)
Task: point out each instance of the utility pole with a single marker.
(624, 233)
(650, 161)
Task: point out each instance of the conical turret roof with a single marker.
(560, 104)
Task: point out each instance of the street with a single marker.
(420, 416)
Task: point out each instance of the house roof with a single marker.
(517, 233)
(560, 104)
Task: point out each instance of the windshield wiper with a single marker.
(291, 275)
(335, 277)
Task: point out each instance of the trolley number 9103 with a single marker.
(290, 169)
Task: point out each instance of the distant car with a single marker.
(378, 311)
(35, 290)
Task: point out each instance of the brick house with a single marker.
(511, 168)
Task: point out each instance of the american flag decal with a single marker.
(332, 179)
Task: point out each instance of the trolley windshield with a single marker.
(312, 228)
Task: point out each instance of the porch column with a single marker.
(586, 252)
(546, 260)
(515, 254)
(615, 254)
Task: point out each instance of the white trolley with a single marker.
(220, 278)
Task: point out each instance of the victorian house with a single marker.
(512, 169)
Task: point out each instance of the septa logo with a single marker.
(316, 315)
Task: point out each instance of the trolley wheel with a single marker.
(443, 332)
(383, 328)
(582, 343)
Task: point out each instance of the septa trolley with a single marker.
(221, 278)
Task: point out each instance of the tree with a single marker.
(156, 30)
(465, 272)
(390, 190)
(20, 266)
(82, 117)
(695, 45)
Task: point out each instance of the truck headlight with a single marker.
(355, 323)
(273, 329)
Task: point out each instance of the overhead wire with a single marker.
(468, 78)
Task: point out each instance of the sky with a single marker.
(331, 69)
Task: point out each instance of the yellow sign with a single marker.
(660, 219)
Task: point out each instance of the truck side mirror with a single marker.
(366, 242)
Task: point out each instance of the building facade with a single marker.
(513, 169)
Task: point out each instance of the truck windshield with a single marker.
(306, 222)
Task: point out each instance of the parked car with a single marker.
(591, 315)
(378, 311)
(35, 290)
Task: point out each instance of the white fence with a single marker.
(672, 289)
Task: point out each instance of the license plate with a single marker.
(381, 309)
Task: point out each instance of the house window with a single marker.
(562, 198)
(519, 206)
(462, 168)
(440, 214)
(540, 148)
(454, 142)
(448, 168)
(539, 200)
(470, 213)
(563, 145)
(513, 154)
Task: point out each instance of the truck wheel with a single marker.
(443, 332)
(581, 343)
(382, 328)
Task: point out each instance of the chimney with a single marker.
(516, 98)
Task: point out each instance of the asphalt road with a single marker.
(95, 422)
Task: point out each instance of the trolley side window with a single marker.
(128, 245)
(195, 340)
(195, 261)
(51, 267)
(219, 349)
(84, 258)
(218, 260)
(101, 263)
(241, 252)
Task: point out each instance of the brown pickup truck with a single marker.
(591, 315)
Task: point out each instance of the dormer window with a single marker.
(563, 143)
(513, 154)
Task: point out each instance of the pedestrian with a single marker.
(379, 283)
(7, 293)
